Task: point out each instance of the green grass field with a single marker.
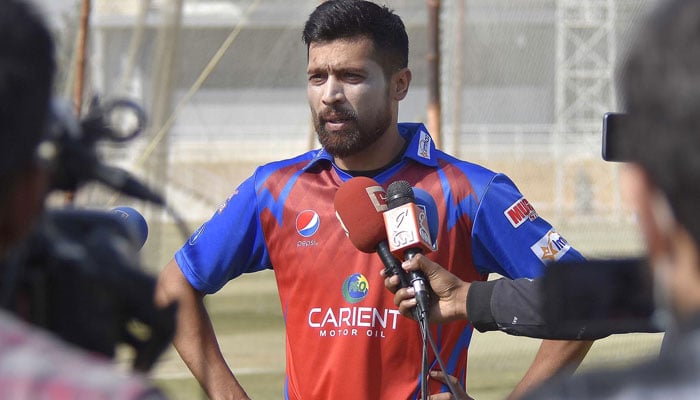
(248, 321)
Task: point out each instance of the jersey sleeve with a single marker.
(510, 238)
(229, 244)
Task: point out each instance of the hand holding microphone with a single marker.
(448, 292)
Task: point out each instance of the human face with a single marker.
(348, 95)
(672, 252)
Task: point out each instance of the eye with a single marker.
(317, 79)
(353, 77)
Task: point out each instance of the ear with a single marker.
(400, 82)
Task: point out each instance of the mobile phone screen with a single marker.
(613, 124)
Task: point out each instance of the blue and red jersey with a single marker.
(344, 337)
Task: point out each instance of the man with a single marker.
(33, 363)
(344, 337)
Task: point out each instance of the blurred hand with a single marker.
(443, 377)
(449, 302)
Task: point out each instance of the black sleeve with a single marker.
(515, 306)
(479, 306)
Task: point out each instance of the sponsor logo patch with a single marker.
(424, 145)
(551, 247)
(354, 320)
(223, 205)
(520, 212)
(308, 223)
(197, 234)
(355, 288)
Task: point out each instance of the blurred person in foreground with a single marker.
(35, 364)
(660, 87)
(344, 337)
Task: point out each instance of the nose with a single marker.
(333, 91)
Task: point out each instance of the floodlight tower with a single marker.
(584, 87)
(586, 56)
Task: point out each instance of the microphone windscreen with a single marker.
(400, 193)
(135, 223)
(358, 204)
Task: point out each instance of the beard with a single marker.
(358, 136)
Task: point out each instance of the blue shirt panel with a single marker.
(500, 247)
(232, 241)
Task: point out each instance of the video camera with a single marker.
(78, 274)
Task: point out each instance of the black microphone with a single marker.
(408, 234)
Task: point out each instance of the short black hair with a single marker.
(27, 67)
(660, 86)
(347, 19)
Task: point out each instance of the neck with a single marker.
(379, 154)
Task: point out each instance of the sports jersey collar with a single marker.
(421, 147)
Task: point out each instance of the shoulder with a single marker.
(288, 166)
(299, 161)
(478, 178)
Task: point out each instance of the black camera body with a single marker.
(603, 296)
(79, 276)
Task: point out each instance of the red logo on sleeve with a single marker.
(520, 212)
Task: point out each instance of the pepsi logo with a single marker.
(308, 222)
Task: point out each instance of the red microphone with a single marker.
(359, 204)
